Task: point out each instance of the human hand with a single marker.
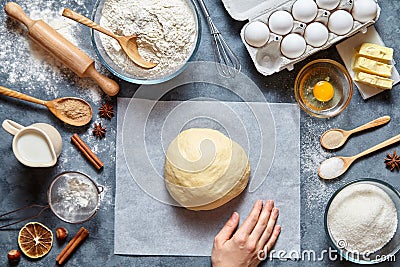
(242, 248)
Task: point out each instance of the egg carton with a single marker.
(269, 58)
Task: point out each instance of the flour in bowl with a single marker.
(166, 33)
(362, 218)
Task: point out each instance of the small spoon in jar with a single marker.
(127, 43)
(336, 138)
(71, 110)
(336, 166)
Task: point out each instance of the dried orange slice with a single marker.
(35, 240)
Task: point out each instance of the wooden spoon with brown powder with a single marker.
(71, 110)
(335, 138)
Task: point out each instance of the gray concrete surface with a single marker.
(21, 186)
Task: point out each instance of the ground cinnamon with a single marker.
(86, 151)
(74, 109)
(72, 245)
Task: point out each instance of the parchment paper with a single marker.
(146, 225)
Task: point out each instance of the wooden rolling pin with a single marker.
(61, 48)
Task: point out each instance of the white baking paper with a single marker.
(146, 225)
(346, 51)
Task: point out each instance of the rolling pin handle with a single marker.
(110, 87)
(16, 12)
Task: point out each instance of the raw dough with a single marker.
(204, 169)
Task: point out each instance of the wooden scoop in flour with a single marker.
(61, 48)
(127, 43)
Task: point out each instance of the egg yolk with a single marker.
(323, 91)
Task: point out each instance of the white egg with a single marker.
(256, 33)
(328, 4)
(304, 10)
(364, 10)
(340, 22)
(280, 22)
(293, 45)
(316, 34)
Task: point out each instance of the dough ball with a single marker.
(204, 169)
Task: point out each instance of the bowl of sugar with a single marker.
(168, 34)
(361, 221)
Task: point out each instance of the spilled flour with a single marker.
(29, 68)
(315, 191)
(166, 33)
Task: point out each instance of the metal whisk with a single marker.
(228, 64)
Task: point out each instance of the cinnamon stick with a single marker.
(72, 245)
(86, 151)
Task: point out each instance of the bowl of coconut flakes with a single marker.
(168, 34)
(361, 221)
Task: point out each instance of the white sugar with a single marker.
(331, 167)
(363, 218)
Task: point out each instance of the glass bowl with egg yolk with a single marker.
(323, 88)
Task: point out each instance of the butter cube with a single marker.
(376, 51)
(374, 80)
(372, 67)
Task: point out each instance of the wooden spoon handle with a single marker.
(386, 143)
(85, 21)
(16, 12)
(371, 124)
(15, 94)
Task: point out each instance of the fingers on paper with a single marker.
(228, 229)
(263, 220)
(268, 231)
(272, 240)
(251, 221)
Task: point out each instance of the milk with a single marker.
(34, 147)
(37, 145)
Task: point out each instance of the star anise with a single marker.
(106, 111)
(393, 161)
(99, 131)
